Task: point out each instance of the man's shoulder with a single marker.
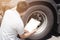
(11, 10)
(8, 11)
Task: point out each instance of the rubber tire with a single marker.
(50, 18)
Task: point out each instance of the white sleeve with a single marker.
(20, 29)
(20, 25)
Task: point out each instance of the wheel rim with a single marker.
(40, 16)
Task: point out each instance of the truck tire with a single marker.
(44, 14)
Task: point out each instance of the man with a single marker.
(12, 23)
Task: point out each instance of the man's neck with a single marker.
(21, 13)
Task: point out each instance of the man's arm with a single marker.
(27, 34)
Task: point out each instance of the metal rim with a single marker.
(42, 19)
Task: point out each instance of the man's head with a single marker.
(22, 6)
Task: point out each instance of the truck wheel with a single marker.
(42, 13)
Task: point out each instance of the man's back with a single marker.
(11, 26)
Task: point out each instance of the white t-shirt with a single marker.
(11, 26)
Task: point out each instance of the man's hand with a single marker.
(33, 31)
(28, 34)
